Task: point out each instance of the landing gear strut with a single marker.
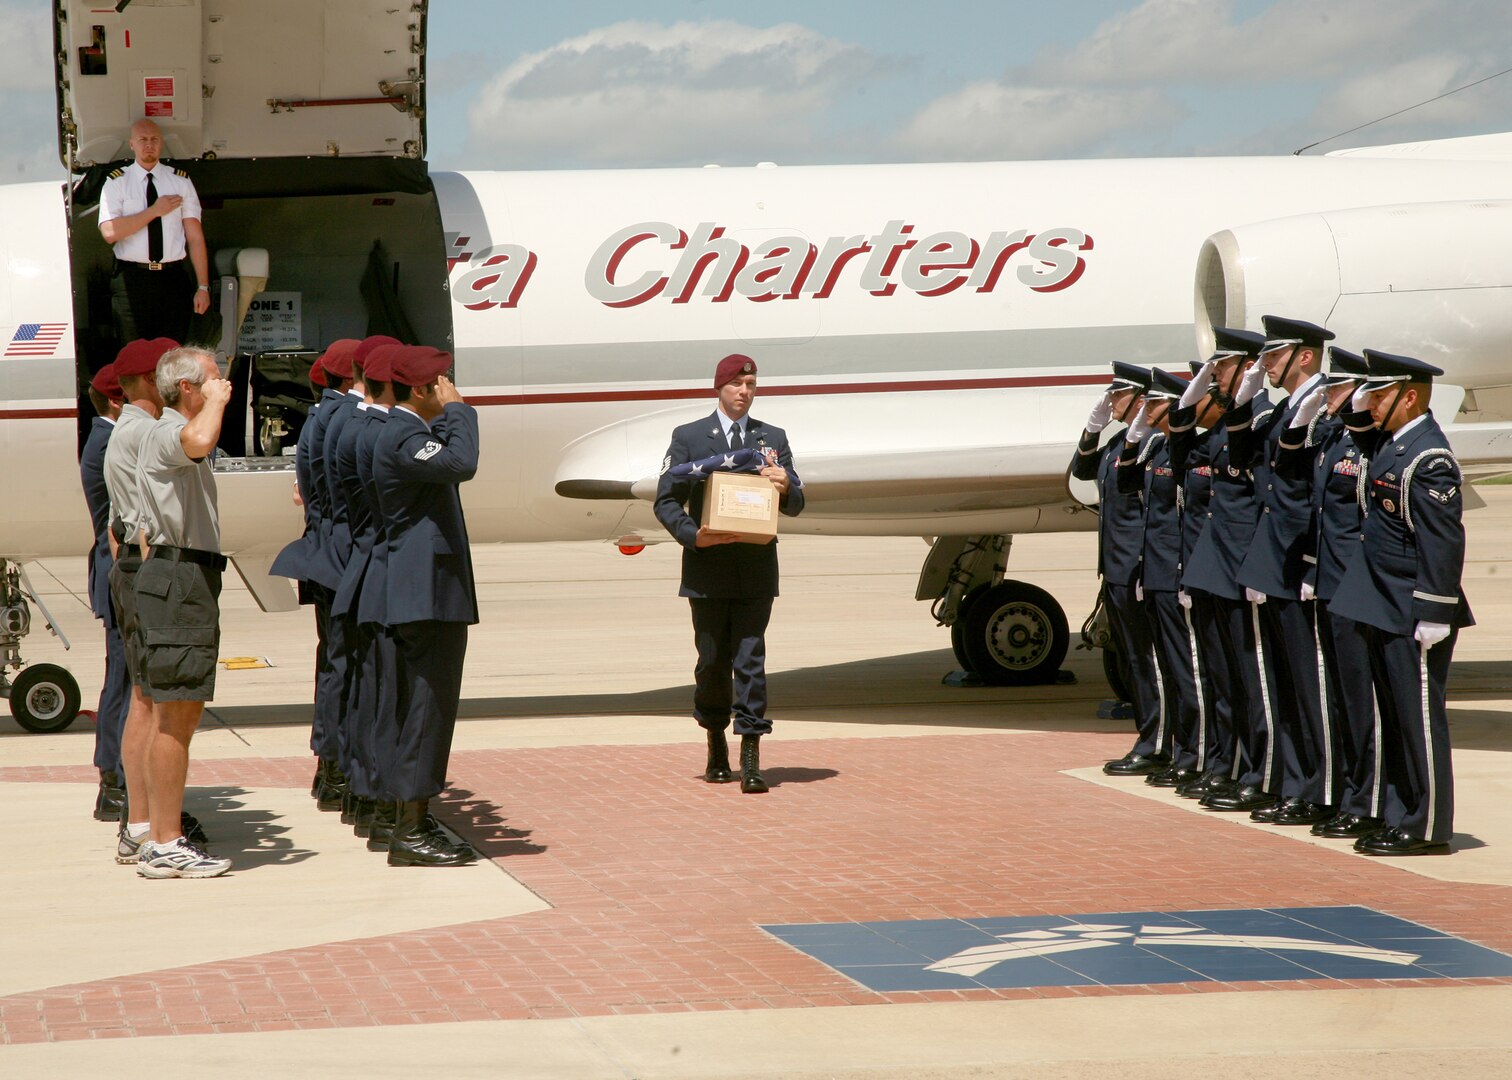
(43, 697)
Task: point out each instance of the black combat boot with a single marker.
(381, 829)
(416, 843)
(362, 815)
(333, 791)
(718, 769)
(110, 803)
(320, 775)
(751, 782)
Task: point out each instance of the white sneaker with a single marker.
(182, 858)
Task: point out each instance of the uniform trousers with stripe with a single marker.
(1216, 676)
(1131, 635)
(1354, 722)
(1410, 684)
(1294, 683)
(1177, 662)
(1239, 626)
(429, 657)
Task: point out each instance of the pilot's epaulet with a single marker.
(181, 172)
(116, 174)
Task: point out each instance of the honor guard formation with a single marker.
(1283, 583)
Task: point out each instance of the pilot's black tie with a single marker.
(154, 227)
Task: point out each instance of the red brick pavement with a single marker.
(658, 883)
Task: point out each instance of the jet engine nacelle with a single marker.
(1431, 280)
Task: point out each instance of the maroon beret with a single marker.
(140, 357)
(337, 359)
(106, 382)
(733, 367)
(366, 346)
(317, 374)
(379, 364)
(417, 365)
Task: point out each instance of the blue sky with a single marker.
(589, 83)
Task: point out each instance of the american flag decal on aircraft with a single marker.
(36, 339)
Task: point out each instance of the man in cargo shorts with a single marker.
(177, 595)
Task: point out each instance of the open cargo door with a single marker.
(241, 78)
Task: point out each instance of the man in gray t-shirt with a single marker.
(177, 595)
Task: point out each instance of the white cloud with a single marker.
(1190, 40)
(640, 93)
(26, 44)
(997, 121)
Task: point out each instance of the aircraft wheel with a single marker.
(1117, 673)
(44, 698)
(1015, 634)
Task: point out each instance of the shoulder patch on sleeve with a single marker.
(428, 451)
(666, 464)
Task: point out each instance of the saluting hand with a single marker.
(1102, 412)
(1249, 384)
(217, 392)
(1197, 389)
(446, 392)
(1309, 407)
(1140, 427)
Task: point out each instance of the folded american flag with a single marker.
(750, 460)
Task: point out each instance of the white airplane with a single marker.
(931, 336)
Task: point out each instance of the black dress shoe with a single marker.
(110, 801)
(717, 770)
(1245, 798)
(1199, 786)
(1339, 819)
(1165, 777)
(1351, 827)
(1303, 812)
(1268, 814)
(1397, 842)
(1132, 764)
(751, 780)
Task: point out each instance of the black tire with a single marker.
(958, 628)
(1015, 634)
(44, 698)
(1117, 673)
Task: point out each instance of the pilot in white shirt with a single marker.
(151, 296)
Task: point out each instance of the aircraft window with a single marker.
(92, 60)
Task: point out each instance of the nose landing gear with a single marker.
(43, 697)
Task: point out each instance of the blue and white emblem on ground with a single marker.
(1130, 948)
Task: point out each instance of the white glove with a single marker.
(1430, 634)
(1254, 597)
(1197, 389)
(1102, 412)
(1307, 592)
(1309, 407)
(1249, 384)
(1359, 401)
(1139, 590)
(1139, 427)
(1184, 598)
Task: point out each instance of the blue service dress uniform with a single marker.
(1328, 459)
(429, 592)
(1408, 571)
(115, 692)
(341, 630)
(1234, 512)
(361, 520)
(1192, 453)
(1120, 532)
(730, 587)
(324, 568)
(1147, 470)
(1274, 565)
(370, 606)
(304, 560)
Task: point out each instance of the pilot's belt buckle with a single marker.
(153, 265)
